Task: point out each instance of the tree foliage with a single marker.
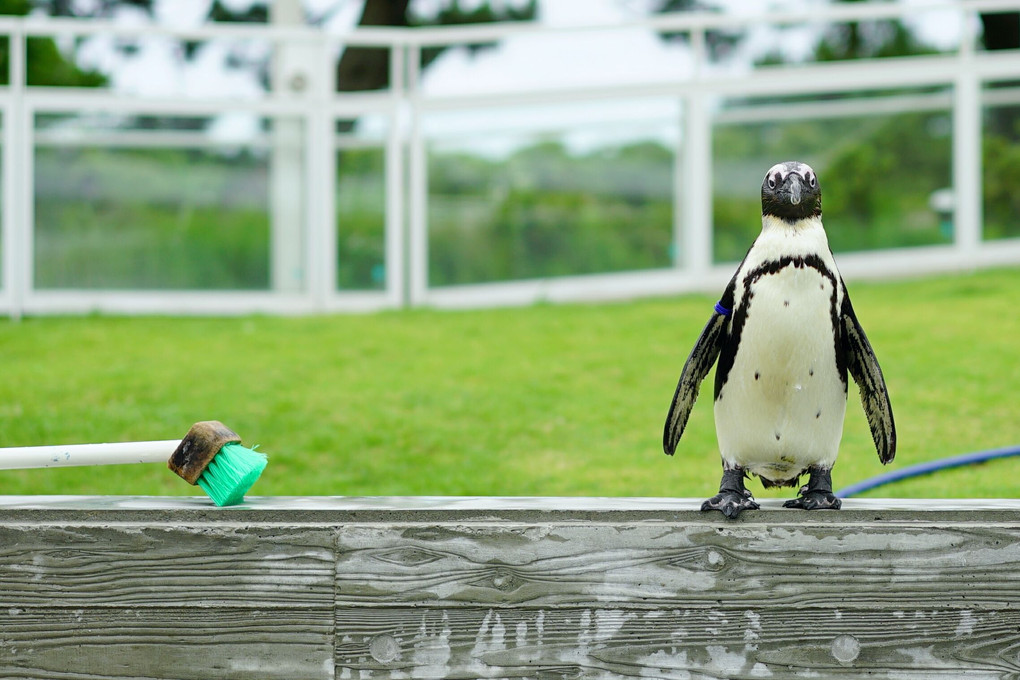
(44, 65)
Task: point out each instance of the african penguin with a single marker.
(785, 336)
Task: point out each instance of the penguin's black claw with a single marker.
(815, 500)
(817, 493)
(730, 503)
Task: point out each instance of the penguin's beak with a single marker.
(794, 182)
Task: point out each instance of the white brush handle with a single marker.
(19, 457)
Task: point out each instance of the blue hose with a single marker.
(926, 469)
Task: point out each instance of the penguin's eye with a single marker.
(772, 182)
(812, 182)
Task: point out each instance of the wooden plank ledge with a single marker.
(120, 587)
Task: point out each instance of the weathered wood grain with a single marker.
(669, 564)
(177, 642)
(208, 564)
(514, 588)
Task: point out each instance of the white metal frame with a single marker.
(406, 103)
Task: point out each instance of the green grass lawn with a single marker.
(547, 400)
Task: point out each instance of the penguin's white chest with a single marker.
(782, 406)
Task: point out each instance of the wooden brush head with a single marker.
(203, 441)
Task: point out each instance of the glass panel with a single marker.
(153, 203)
(3, 225)
(54, 63)
(236, 68)
(1001, 161)
(922, 32)
(576, 189)
(5, 60)
(361, 204)
(361, 69)
(615, 55)
(553, 61)
(999, 30)
(884, 175)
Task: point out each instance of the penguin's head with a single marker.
(790, 191)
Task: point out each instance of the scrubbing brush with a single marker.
(210, 456)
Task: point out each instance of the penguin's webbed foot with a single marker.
(817, 493)
(814, 500)
(730, 502)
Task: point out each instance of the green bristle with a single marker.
(231, 473)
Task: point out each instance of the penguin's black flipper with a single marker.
(698, 364)
(863, 366)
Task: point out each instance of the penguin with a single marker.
(784, 337)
